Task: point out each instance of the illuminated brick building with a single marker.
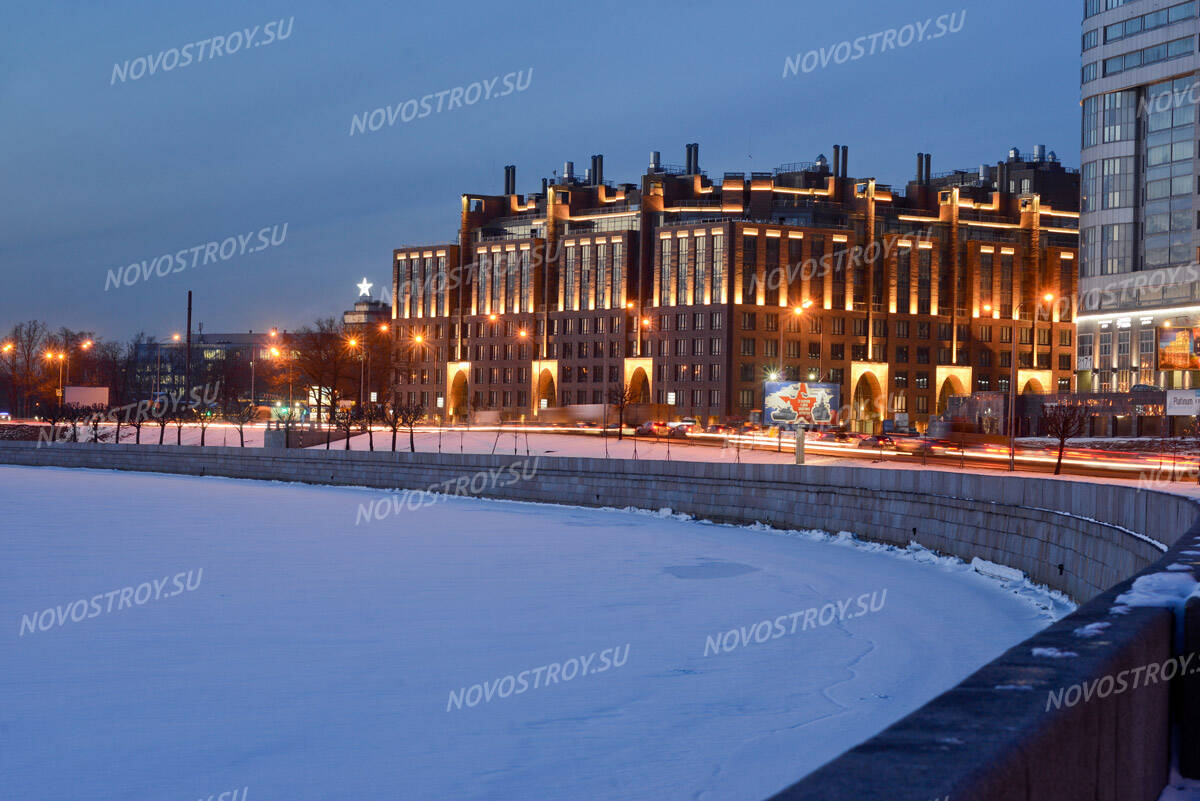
(678, 287)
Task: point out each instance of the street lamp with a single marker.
(796, 312)
(52, 356)
(781, 375)
(1012, 367)
(362, 367)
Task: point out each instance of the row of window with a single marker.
(1139, 24)
(1094, 7)
(422, 287)
(1176, 48)
(1146, 343)
(692, 271)
(904, 328)
(589, 280)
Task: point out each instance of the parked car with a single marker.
(652, 428)
(679, 432)
(836, 435)
(689, 422)
(5, 416)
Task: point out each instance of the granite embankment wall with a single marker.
(988, 739)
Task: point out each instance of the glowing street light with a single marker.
(1012, 379)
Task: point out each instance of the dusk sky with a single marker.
(101, 172)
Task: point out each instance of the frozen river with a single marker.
(172, 637)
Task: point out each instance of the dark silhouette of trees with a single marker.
(1063, 422)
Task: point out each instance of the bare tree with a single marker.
(392, 419)
(323, 359)
(371, 414)
(25, 364)
(345, 419)
(621, 395)
(180, 415)
(95, 416)
(410, 415)
(54, 414)
(240, 416)
(76, 414)
(287, 418)
(136, 422)
(162, 416)
(203, 418)
(1063, 422)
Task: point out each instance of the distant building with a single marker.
(367, 311)
(1138, 227)
(162, 366)
(685, 289)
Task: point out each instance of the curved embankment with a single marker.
(996, 735)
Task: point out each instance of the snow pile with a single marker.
(1170, 590)
(1053, 653)
(1092, 629)
(996, 571)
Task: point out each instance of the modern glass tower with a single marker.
(1138, 225)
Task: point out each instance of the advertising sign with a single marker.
(1177, 349)
(1183, 402)
(789, 402)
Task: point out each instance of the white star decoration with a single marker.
(365, 287)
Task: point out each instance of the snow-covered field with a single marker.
(281, 648)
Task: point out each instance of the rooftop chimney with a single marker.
(928, 167)
(568, 171)
(598, 170)
(654, 162)
(837, 161)
(846, 161)
(695, 157)
(920, 168)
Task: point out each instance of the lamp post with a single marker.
(52, 356)
(9, 350)
(782, 374)
(386, 329)
(1012, 366)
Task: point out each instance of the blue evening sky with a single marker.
(98, 175)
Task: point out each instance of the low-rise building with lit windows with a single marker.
(690, 292)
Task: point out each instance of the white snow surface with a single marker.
(316, 658)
